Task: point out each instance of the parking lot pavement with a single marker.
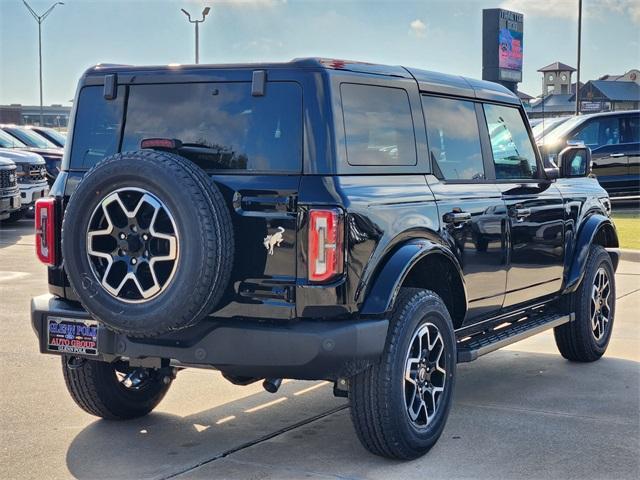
(522, 412)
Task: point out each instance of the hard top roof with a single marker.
(428, 81)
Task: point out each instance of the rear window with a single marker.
(378, 125)
(221, 125)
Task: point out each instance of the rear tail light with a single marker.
(45, 230)
(326, 245)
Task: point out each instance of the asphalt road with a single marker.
(523, 412)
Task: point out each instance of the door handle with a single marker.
(520, 213)
(617, 155)
(456, 217)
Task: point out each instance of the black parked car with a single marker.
(50, 134)
(319, 219)
(614, 140)
(36, 143)
(9, 192)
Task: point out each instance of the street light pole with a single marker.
(40, 19)
(197, 23)
(579, 45)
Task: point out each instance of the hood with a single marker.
(5, 162)
(45, 152)
(19, 156)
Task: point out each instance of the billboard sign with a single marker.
(502, 46)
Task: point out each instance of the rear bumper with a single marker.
(307, 349)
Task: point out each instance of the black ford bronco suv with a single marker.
(364, 224)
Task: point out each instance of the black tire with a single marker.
(577, 340)
(15, 217)
(202, 225)
(96, 388)
(379, 409)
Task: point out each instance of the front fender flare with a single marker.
(386, 285)
(587, 233)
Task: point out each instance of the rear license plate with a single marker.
(72, 335)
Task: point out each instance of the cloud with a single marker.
(568, 9)
(418, 28)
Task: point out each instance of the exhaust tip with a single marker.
(272, 385)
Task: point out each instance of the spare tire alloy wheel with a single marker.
(147, 243)
(425, 375)
(133, 245)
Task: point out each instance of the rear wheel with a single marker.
(586, 338)
(400, 405)
(113, 391)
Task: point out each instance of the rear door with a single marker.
(471, 208)
(534, 206)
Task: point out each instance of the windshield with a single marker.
(557, 134)
(9, 141)
(57, 136)
(544, 127)
(29, 138)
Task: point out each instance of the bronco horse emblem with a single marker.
(274, 240)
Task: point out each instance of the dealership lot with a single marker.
(530, 412)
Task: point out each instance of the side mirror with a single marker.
(575, 161)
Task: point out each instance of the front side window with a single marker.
(599, 132)
(513, 153)
(454, 139)
(378, 125)
(221, 125)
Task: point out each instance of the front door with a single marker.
(534, 206)
(472, 212)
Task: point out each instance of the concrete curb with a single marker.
(629, 255)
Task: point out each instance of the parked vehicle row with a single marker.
(29, 139)
(9, 193)
(31, 178)
(365, 224)
(614, 140)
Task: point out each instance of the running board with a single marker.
(473, 347)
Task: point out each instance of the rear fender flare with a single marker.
(593, 226)
(386, 285)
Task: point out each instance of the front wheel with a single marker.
(585, 339)
(113, 391)
(400, 405)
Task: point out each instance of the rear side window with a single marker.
(454, 139)
(513, 153)
(378, 125)
(221, 125)
(96, 128)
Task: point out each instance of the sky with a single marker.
(438, 35)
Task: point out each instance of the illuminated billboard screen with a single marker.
(510, 52)
(502, 46)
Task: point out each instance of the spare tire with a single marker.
(147, 243)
